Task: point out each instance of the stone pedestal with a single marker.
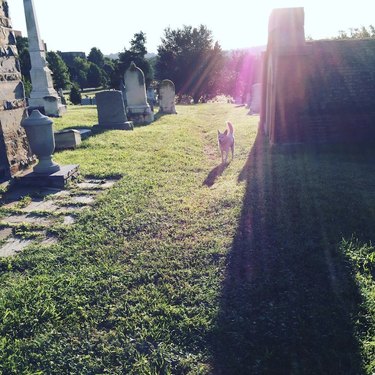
(57, 179)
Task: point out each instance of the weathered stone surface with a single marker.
(5, 233)
(138, 109)
(42, 94)
(13, 246)
(58, 179)
(319, 91)
(167, 95)
(111, 111)
(83, 199)
(15, 153)
(67, 139)
(30, 219)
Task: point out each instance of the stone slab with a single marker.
(67, 139)
(96, 184)
(41, 205)
(30, 219)
(13, 246)
(58, 179)
(82, 199)
(5, 233)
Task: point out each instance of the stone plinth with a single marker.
(67, 139)
(57, 179)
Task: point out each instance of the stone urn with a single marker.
(42, 142)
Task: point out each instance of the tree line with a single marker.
(188, 56)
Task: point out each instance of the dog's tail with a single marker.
(230, 127)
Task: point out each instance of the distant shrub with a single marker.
(75, 95)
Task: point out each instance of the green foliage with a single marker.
(136, 53)
(238, 74)
(24, 57)
(186, 266)
(362, 260)
(75, 94)
(95, 77)
(191, 60)
(79, 71)
(96, 57)
(60, 72)
(27, 86)
(357, 33)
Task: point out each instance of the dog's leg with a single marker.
(232, 149)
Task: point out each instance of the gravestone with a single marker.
(111, 111)
(15, 152)
(256, 95)
(41, 77)
(138, 109)
(167, 95)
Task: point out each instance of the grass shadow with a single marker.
(289, 301)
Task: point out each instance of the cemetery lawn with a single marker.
(185, 267)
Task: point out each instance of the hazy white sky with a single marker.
(79, 25)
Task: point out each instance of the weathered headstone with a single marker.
(15, 152)
(256, 95)
(167, 95)
(138, 109)
(41, 77)
(111, 111)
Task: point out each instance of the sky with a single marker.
(79, 25)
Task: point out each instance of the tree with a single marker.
(238, 73)
(75, 95)
(357, 33)
(96, 57)
(60, 72)
(25, 63)
(94, 76)
(191, 60)
(79, 71)
(136, 53)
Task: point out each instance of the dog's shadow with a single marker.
(215, 174)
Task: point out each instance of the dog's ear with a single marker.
(218, 132)
(226, 132)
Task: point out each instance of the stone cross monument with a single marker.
(43, 94)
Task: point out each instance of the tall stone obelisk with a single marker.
(43, 93)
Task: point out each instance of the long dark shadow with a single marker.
(289, 301)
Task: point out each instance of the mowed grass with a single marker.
(186, 267)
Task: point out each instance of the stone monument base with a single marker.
(141, 117)
(57, 179)
(51, 106)
(127, 125)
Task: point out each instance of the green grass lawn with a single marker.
(184, 267)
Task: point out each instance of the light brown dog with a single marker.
(226, 142)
